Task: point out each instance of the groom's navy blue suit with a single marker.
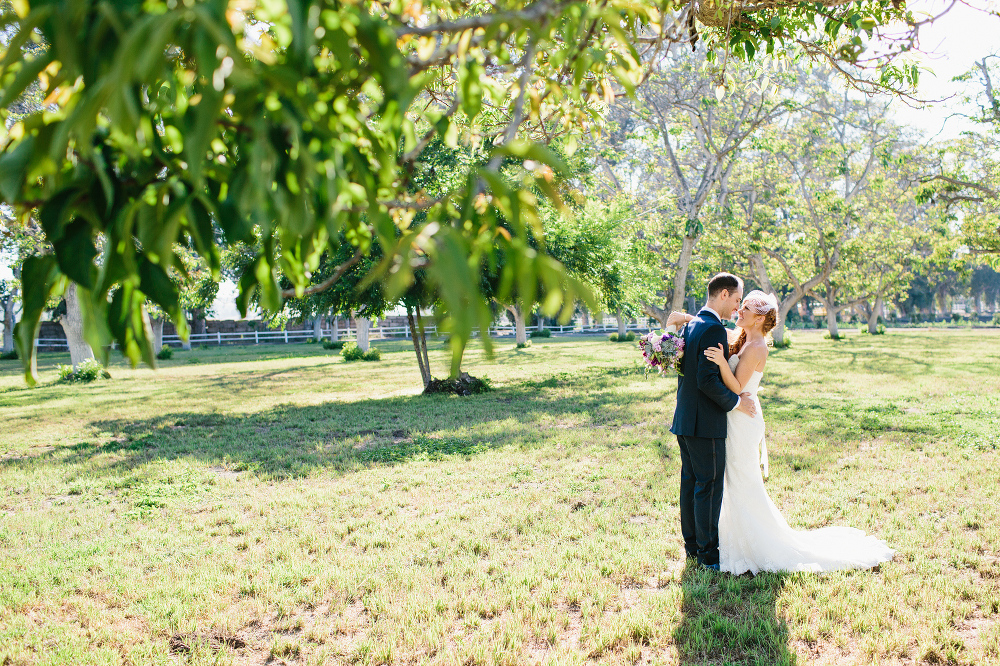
(700, 426)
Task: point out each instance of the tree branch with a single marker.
(534, 13)
(327, 283)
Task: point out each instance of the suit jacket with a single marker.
(703, 400)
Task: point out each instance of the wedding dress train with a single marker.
(754, 536)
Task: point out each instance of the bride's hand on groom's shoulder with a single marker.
(716, 355)
(678, 319)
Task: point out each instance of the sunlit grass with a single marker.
(275, 503)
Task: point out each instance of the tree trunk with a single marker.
(335, 334)
(584, 319)
(874, 315)
(804, 308)
(192, 329)
(423, 343)
(157, 326)
(317, 328)
(759, 270)
(680, 278)
(72, 324)
(419, 346)
(621, 323)
(520, 331)
(778, 332)
(8, 324)
(198, 322)
(363, 324)
(831, 320)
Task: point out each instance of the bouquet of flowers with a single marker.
(662, 351)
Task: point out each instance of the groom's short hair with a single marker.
(723, 281)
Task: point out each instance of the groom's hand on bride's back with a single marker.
(747, 405)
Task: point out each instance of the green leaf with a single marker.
(155, 283)
(40, 280)
(237, 227)
(30, 69)
(14, 168)
(201, 129)
(75, 252)
(202, 234)
(535, 151)
(472, 89)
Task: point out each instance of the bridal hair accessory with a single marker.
(759, 302)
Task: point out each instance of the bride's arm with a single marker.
(678, 319)
(749, 362)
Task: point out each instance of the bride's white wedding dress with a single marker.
(754, 536)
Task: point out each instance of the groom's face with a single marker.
(731, 302)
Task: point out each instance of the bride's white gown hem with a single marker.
(754, 536)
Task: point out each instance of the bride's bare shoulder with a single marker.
(756, 350)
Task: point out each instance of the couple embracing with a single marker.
(728, 521)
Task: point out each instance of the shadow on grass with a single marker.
(732, 620)
(296, 440)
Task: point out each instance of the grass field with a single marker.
(268, 505)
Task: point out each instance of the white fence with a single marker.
(375, 333)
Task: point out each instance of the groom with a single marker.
(700, 420)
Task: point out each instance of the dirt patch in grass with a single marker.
(185, 643)
(822, 653)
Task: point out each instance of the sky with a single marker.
(949, 47)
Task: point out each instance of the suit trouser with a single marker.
(703, 470)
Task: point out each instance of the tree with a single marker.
(350, 290)
(826, 154)
(688, 129)
(984, 288)
(600, 247)
(964, 177)
(709, 133)
(289, 140)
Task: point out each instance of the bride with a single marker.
(753, 535)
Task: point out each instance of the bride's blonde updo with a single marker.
(763, 304)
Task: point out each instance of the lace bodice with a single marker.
(753, 383)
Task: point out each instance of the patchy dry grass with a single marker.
(275, 505)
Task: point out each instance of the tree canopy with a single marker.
(294, 124)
